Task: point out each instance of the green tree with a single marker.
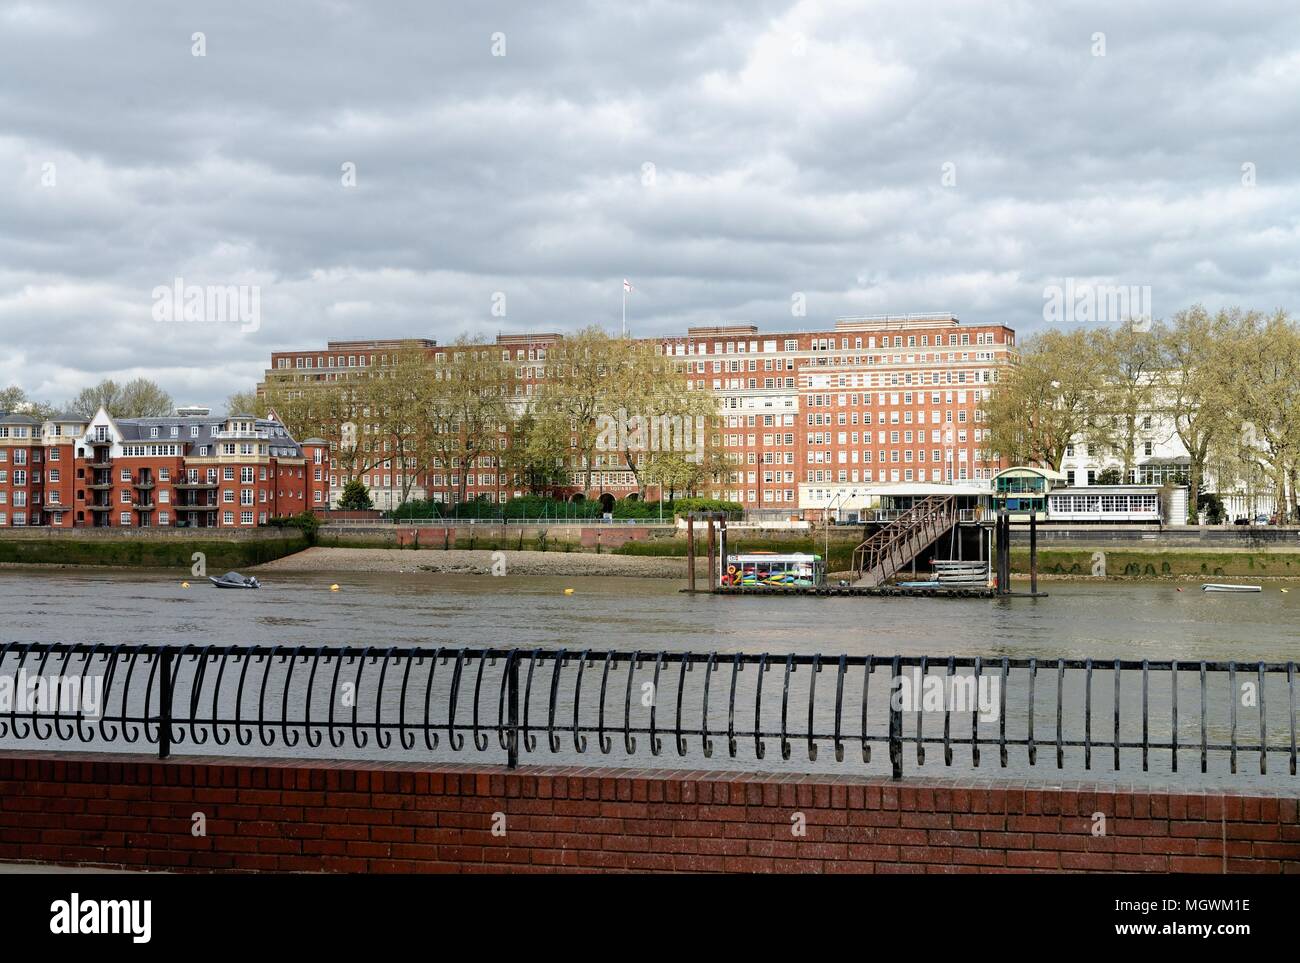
(536, 454)
(15, 399)
(248, 402)
(1196, 378)
(140, 398)
(466, 409)
(1266, 370)
(1045, 401)
(355, 497)
(1128, 360)
(649, 409)
(577, 392)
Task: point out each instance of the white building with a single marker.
(1160, 458)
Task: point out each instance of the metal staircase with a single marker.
(891, 548)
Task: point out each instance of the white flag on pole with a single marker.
(627, 286)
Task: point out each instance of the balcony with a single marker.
(195, 508)
(100, 486)
(143, 506)
(195, 485)
(101, 508)
(242, 435)
(145, 485)
(101, 465)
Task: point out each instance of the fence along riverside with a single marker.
(616, 707)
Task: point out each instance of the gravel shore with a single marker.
(463, 562)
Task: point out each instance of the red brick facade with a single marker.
(179, 471)
(872, 401)
(299, 816)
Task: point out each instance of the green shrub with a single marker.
(355, 497)
(684, 506)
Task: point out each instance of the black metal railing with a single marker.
(292, 699)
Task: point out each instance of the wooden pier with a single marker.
(879, 591)
(1000, 553)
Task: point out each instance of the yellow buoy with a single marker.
(187, 585)
(334, 587)
(568, 591)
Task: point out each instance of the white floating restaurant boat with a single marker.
(1220, 587)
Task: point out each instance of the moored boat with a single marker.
(1222, 587)
(233, 580)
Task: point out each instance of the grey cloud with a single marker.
(797, 147)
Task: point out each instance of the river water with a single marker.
(1103, 621)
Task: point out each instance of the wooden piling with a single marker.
(690, 552)
(722, 542)
(1003, 568)
(713, 560)
(1033, 553)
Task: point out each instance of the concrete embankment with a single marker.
(1120, 562)
(145, 548)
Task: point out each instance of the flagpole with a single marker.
(624, 309)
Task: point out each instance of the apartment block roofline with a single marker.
(727, 329)
(876, 322)
(378, 343)
(526, 338)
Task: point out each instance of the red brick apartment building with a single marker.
(872, 401)
(186, 470)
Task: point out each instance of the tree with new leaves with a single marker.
(538, 450)
(466, 408)
(1128, 360)
(1196, 385)
(1045, 401)
(140, 398)
(1265, 365)
(578, 391)
(251, 403)
(649, 405)
(15, 399)
(397, 395)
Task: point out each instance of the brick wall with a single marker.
(358, 817)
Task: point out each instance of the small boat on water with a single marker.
(233, 580)
(1220, 587)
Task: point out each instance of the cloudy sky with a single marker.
(378, 169)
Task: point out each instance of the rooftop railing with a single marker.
(518, 704)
